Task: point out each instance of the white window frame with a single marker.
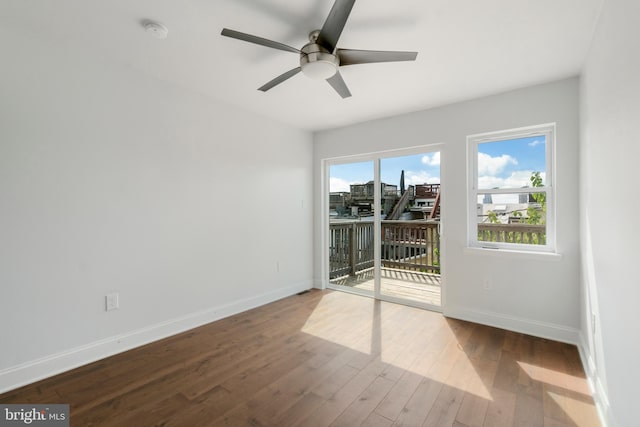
(473, 141)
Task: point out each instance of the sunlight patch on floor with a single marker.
(399, 347)
(558, 379)
(581, 413)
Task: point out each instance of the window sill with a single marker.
(510, 253)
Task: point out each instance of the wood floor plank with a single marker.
(449, 400)
(277, 397)
(399, 395)
(529, 411)
(417, 408)
(375, 420)
(365, 403)
(300, 410)
(415, 412)
(531, 354)
(335, 382)
(477, 395)
(550, 422)
(473, 410)
(339, 401)
(508, 372)
(501, 409)
(444, 409)
(326, 358)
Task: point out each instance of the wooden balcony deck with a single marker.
(410, 285)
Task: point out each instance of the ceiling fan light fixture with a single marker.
(319, 70)
(317, 63)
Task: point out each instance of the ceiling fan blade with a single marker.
(339, 85)
(333, 26)
(352, 56)
(280, 79)
(257, 40)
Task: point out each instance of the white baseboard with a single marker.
(35, 370)
(597, 389)
(517, 324)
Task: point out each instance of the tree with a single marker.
(537, 216)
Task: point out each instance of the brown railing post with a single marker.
(352, 248)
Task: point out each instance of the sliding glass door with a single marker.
(409, 229)
(384, 228)
(351, 227)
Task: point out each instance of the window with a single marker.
(511, 189)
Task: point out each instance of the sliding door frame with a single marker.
(376, 158)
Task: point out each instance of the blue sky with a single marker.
(502, 164)
(510, 163)
(418, 169)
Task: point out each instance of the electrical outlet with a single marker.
(111, 301)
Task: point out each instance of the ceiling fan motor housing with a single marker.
(317, 62)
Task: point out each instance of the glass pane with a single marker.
(351, 203)
(512, 218)
(512, 163)
(410, 212)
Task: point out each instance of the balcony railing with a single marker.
(350, 247)
(409, 245)
(530, 234)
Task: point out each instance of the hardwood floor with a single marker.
(329, 359)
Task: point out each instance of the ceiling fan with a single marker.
(319, 59)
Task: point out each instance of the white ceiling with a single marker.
(467, 48)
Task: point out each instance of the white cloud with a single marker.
(338, 184)
(517, 179)
(431, 160)
(488, 165)
(421, 177)
(536, 142)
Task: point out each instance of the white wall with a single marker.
(537, 295)
(610, 203)
(114, 181)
